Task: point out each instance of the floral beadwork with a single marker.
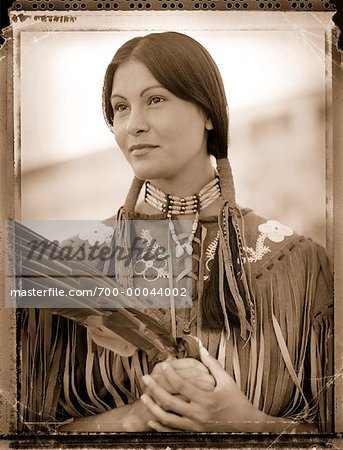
(210, 253)
(258, 253)
(151, 268)
(272, 230)
(100, 234)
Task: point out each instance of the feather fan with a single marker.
(120, 329)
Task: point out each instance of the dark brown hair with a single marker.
(187, 70)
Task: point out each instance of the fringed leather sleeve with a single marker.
(321, 347)
(42, 354)
(290, 354)
(64, 374)
(57, 363)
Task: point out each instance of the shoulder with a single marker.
(98, 232)
(278, 256)
(91, 244)
(269, 239)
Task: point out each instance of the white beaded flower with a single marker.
(152, 269)
(274, 230)
(100, 233)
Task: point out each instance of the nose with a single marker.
(137, 122)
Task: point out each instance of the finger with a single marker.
(204, 385)
(185, 363)
(159, 427)
(174, 394)
(213, 365)
(167, 401)
(165, 418)
(158, 367)
(150, 393)
(200, 379)
(206, 378)
(189, 372)
(163, 382)
(184, 387)
(181, 397)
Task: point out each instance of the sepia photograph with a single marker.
(171, 226)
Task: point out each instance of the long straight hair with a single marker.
(184, 67)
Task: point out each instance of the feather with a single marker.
(116, 327)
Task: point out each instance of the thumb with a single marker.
(212, 364)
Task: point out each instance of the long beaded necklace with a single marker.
(174, 205)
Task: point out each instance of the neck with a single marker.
(187, 183)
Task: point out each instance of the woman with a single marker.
(260, 293)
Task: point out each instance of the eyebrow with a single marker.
(142, 93)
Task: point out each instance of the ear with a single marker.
(208, 124)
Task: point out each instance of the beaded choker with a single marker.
(175, 206)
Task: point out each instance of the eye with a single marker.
(155, 100)
(120, 107)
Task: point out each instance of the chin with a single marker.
(150, 171)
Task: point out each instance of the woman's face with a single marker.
(160, 134)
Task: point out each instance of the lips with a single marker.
(140, 146)
(141, 149)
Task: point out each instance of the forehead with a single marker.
(132, 76)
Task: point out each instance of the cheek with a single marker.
(190, 136)
(190, 126)
(119, 136)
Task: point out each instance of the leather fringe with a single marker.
(233, 298)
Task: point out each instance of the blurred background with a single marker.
(275, 83)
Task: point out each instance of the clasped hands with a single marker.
(189, 395)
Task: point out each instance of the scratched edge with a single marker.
(8, 363)
(8, 369)
(337, 145)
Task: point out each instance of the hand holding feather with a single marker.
(189, 369)
(222, 409)
(136, 416)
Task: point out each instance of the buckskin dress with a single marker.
(284, 366)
